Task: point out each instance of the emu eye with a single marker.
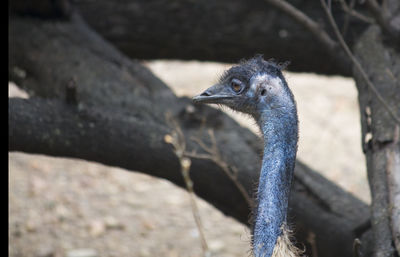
(236, 85)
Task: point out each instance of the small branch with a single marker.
(346, 17)
(375, 10)
(185, 164)
(214, 155)
(179, 148)
(382, 17)
(312, 242)
(306, 21)
(177, 140)
(356, 248)
(357, 63)
(373, 5)
(350, 10)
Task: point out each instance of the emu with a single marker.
(257, 87)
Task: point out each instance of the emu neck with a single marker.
(280, 131)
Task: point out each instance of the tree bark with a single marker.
(119, 119)
(380, 138)
(225, 30)
(56, 128)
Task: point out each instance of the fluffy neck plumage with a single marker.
(280, 130)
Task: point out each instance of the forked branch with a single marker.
(214, 155)
(383, 16)
(349, 9)
(357, 63)
(177, 140)
(313, 26)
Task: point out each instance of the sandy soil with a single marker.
(62, 207)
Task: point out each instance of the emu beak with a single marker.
(213, 95)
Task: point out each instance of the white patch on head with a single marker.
(257, 80)
(272, 84)
(276, 82)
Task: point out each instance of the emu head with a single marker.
(251, 87)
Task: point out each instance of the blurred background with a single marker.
(64, 207)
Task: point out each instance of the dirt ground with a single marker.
(63, 207)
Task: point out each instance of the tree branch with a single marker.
(314, 27)
(380, 136)
(208, 30)
(177, 140)
(36, 126)
(357, 64)
(393, 181)
(350, 10)
(383, 16)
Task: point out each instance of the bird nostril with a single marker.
(205, 94)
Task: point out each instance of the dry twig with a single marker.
(214, 155)
(383, 16)
(350, 10)
(177, 140)
(307, 22)
(357, 63)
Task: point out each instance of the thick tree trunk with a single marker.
(381, 138)
(119, 119)
(224, 30)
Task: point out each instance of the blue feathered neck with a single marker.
(280, 130)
